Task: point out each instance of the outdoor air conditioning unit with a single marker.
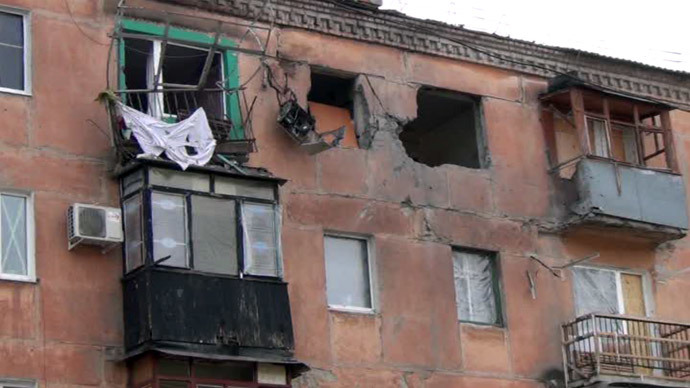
(93, 225)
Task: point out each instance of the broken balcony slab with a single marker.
(650, 203)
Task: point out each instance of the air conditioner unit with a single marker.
(93, 225)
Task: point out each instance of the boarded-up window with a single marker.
(476, 287)
(347, 273)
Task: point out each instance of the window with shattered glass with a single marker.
(348, 280)
(16, 260)
(476, 287)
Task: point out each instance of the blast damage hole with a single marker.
(447, 129)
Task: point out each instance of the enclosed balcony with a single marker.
(203, 265)
(613, 350)
(614, 162)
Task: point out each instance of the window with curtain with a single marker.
(476, 287)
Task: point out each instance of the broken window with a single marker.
(476, 287)
(14, 53)
(230, 227)
(348, 278)
(169, 72)
(331, 103)
(583, 121)
(447, 130)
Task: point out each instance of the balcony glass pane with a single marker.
(169, 229)
(260, 240)
(179, 179)
(214, 235)
(245, 188)
(224, 371)
(134, 242)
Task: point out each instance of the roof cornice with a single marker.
(390, 28)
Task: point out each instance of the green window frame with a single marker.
(225, 46)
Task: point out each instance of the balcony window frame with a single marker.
(17, 383)
(162, 34)
(575, 101)
(148, 188)
(29, 236)
(26, 48)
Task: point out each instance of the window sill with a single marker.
(15, 92)
(18, 279)
(352, 310)
(486, 326)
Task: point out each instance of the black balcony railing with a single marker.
(598, 345)
(233, 135)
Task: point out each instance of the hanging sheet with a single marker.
(156, 136)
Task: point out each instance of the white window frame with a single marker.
(12, 382)
(30, 240)
(646, 287)
(373, 295)
(26, 24)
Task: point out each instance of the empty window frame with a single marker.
(16, 237)
(448, 130)
(348, 273)
(233, 229)
(477, 288)
(15, 51)
(170, 80)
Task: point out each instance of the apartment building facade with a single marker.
(364, 200)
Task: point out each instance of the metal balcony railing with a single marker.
(234, 136)
(599, 345)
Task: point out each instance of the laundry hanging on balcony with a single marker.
(175, 139)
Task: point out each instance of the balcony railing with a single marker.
(233, 135)
(621, 348)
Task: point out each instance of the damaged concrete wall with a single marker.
(414, 213)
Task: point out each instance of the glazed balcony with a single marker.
(600, 349)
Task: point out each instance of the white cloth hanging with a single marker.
(156, 136)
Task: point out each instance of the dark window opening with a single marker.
(331, 103)
(447, 130)
(331, 90)
(178, 94)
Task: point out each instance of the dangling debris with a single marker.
(301, 126)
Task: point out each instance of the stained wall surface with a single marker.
(55, 144)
